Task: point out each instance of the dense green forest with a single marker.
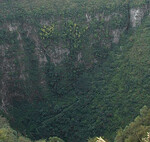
(138, 130)
(7, 134)
(74, 69)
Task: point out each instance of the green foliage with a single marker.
(7, 37)
(23, 139)
(74, 33)
(75, 99)
(138, 2)
(55, 139)
(96, 139)
(7, 134)
(92, 139)
(137, 129)
(147, 138)
(41, 141)
(22, 10)
(3, 122)
(47, 32)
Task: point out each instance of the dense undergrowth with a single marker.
(81, 99)
(7, 134)
(138, 130)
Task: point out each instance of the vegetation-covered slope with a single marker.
(126, 74)
(138, 130)
(7, 134)
(63, 71)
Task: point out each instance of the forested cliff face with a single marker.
(73, 69)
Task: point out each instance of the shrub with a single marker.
(23, 139)
(137, 129)
(8, 135)
(55, 139)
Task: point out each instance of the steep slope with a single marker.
(125, 86)
(26, 59)
(62, 72)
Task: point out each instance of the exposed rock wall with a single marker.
(137, 14)
(56, 54)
